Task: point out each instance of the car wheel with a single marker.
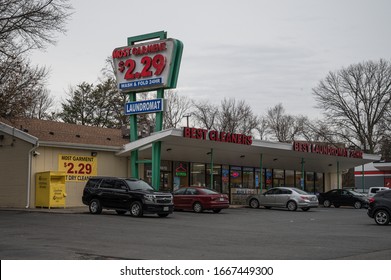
(136, 209)
(197, 207)
(95, 206)
(382, 217)
(217, 210)
(254, 203)
(305, 208)
(291, 205)
(120, 212)
(163, 215)
(326, 203)
(357, 205)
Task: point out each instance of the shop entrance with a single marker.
(165, 181)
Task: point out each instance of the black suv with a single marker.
(380, 207)
(125, 194)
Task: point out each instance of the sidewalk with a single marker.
(66, 210)
(73, 210)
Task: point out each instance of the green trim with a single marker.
(176, 63)
(144, 161)
(149, 36)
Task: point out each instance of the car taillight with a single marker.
(371, 199)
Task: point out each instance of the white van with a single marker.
(373, 190)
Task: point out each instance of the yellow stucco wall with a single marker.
(107, 164)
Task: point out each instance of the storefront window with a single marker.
(289, 178)
(298, 180)
(236, 177)
(197, 177)
(225, 179)
(309, 182)
(269, 178)
(181, 174)
(259, 177)
(165, 176)
(278, 178)
(248, 177)
(216, 177)
(319, 183)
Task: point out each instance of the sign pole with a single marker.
(133, 137)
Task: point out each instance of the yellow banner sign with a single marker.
(77, 168)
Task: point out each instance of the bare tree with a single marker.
(30, 24)
(21, 86)
(204, 114)
(39, 109)
(177, 106)
(356, 101)
(262, 128)
(236, 117)
(284, 127)
(26, 25)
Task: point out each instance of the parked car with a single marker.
(373, 190)
(199, 199)
(125, 194)
(342, 197)
(379, 207)
(291, 198)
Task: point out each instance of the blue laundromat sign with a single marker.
(145, 106)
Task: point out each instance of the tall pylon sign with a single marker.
(149, 62)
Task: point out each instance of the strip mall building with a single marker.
(236, 164)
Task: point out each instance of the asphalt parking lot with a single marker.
(241, 233)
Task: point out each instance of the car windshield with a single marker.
(138, 185)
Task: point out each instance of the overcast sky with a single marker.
(263, 51)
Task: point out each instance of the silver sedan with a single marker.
(291, 198)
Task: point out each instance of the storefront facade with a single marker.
(236, 181)
(240, 164)
(233, 164)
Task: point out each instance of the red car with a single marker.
(199, 199)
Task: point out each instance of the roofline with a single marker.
(79, 146)
(154, 137)
(18, 133)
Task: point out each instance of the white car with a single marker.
(284, 197)
(373, 190)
